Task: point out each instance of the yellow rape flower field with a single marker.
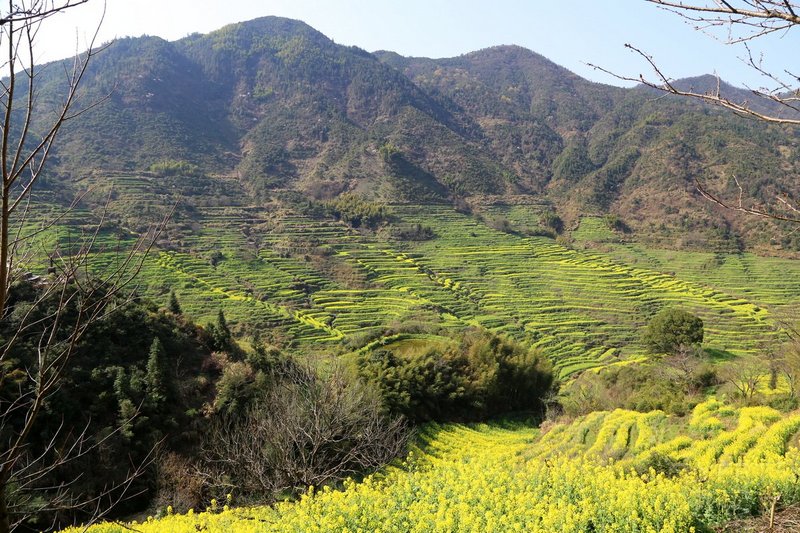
(619, 471)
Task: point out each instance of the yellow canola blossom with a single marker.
(492, 478)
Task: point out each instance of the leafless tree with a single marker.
(69, 299)
(737, 23)
(745, 377)
(681, 366)
(786, 360)
(742, 22)
(306, 431)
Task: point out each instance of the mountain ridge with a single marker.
(278, 104)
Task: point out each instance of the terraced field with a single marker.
(313, 284)
(715, 434)
(721, 463)
(771, 281)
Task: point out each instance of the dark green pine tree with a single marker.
(222, 326)
(174, 306)
(157, 378)
(127, 410)
(220, 334)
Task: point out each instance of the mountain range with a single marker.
(281, 107)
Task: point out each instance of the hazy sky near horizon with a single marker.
(571, 33)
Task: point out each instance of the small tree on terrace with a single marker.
(672, 330)
(174, 305)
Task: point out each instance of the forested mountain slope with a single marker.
(279, 106)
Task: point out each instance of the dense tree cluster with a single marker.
(357, 211)
(480, 376)
(134, 382)
(170, 167)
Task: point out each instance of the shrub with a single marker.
(502, 224)
(357, 212)
(461, 205)
(483, 376)
(661, 463)
(551, 220)
(615, 223)
(416, 232)
(178, 483)
(302, 431)
(636, 387)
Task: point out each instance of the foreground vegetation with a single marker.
(196, 415)
(426, 313)
(609, 471)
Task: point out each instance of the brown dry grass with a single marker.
(787, 520)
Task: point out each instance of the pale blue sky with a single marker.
(569, 32)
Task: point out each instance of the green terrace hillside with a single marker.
(316, 284)
(279, 106)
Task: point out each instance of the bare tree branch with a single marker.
(305, 432)
(742, 108)
(36, 11)
(66, 303)
(741, 207)
(745, 21)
